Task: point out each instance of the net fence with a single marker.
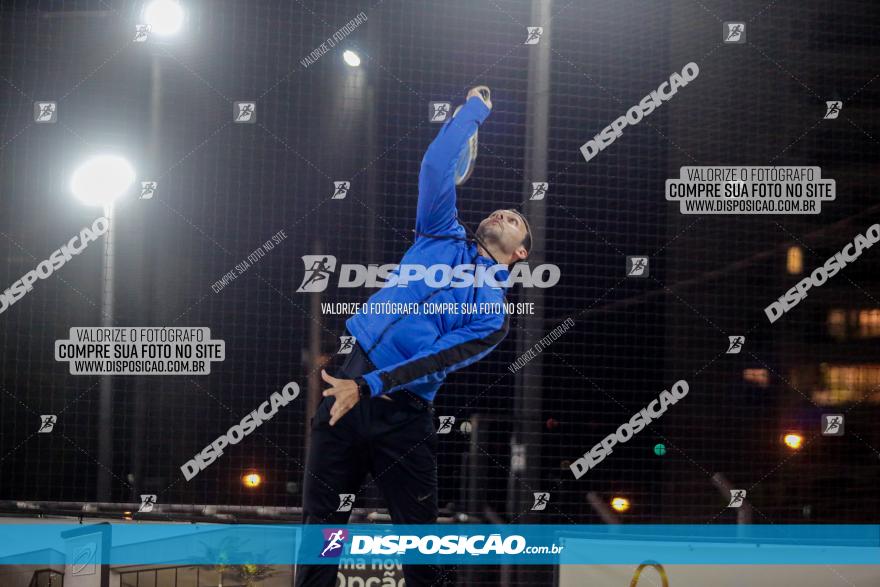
(224, 189)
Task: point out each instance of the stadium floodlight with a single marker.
(351, 58)
(165, 17)
(101, 180)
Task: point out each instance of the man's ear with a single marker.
(521, 253)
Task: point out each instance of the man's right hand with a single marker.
(475, 91)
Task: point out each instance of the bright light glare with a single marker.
(165, 17)
(620, 504)
(793, 441)
(351, 58)
(99, 181)
(252, 479)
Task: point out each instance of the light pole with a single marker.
(100, 181)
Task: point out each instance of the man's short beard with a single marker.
(486, 236)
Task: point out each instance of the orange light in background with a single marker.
(869, 323)
(252, 479)
(793, 440)
(126, 516)
(760, 377)
(794, 261)
(619, 504)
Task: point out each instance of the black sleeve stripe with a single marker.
(445, 358)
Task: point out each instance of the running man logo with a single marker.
(47, 423)
(346, 345)
(45, 112)
(832, 109)
(148, 190)
(245, 112)
(832, 424)
(737, 497)
(147, 503)
(141, 32)
(541, 501)
(446, 424)
(533, 35)
(318, 271)
(340, 190)
(539, 190)
(439, 111)
(735, 344)
(333, 542)
(346, 500)
(734, 32)
(636, 266)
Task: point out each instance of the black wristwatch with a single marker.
(364, 391)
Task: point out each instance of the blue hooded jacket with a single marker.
(417, 351)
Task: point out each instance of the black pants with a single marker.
(396, 442)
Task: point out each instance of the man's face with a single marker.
(506, 229)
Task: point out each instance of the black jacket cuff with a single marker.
(364, 390)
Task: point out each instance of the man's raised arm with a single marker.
(436, 212)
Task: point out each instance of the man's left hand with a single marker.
(346, 393)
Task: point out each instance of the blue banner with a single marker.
(471, 544)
